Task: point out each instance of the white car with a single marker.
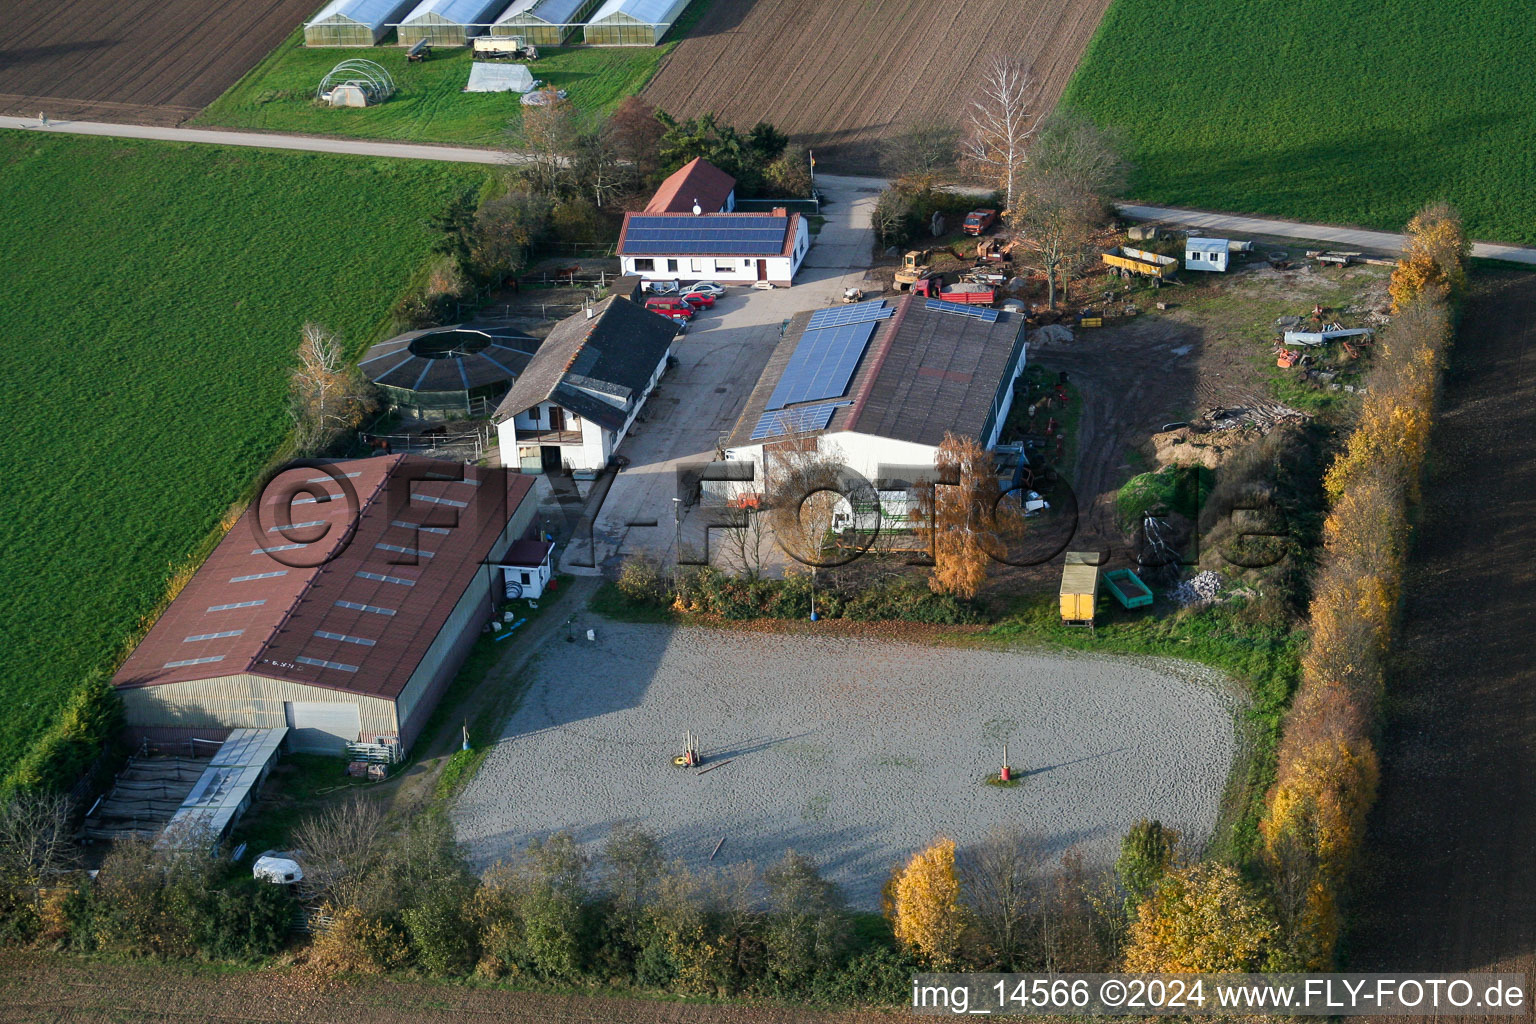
(706, 288)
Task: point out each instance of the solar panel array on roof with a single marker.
(961, 309)
(733, 236)
(823, 364)
(874, 309)
(795, 421)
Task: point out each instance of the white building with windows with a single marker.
(731, 248)
(580, 393)
(1206, 254)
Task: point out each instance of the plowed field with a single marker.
(141, 61)
(840, 74)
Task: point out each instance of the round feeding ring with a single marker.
(449, 344)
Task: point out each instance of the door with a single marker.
(556, 418)
(762, 270)
(549, 458)
(321, 727)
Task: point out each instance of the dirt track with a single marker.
(141, 61)
(1450, 883)
(54, 987)
(838, 75)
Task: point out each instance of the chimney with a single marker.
(697, 209)
(781, 211)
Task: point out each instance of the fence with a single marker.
(810, 207)
(470, 445)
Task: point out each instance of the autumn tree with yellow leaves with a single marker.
(925, 903)
(964, 518)
(1202, 919)
(1435, 262)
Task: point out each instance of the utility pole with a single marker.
(677, 523)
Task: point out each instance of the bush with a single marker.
(245, 919)
(88, 725)
(642, 582)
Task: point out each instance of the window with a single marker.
(671, 266)
(696, 266)
(526, 579)
(647, 264)
(1194, 257)
(725, 266)
(533, 415)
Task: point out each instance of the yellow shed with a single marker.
(1079, 588)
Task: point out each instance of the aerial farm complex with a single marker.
(718, 508)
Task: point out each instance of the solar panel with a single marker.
(822, 364)
(961, 309)
(874, 309)
(795, 421)
(752, 236)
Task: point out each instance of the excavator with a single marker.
(917, 264)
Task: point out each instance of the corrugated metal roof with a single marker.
(697, 179)
(457, 12)
(647, 12)
(1206, 245)
(225, 785)
(386, 566)
(373, 13)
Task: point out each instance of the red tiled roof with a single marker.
(358, 623)
(697, 179)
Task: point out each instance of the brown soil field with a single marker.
(1450, 879)
(57, 987)
(839, 75)
(142, 61)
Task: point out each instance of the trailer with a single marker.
(1079, 588)
(965, 293)
(1128, 588)
(1139, 261)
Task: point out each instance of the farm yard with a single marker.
(1327, 110)
(854, 752)
(806, 65)
(151, 324)
(149, 63)
(430, 105)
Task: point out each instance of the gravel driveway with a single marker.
(855, 752)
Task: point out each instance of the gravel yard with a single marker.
(854, 752)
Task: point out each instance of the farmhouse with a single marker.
(879, 385)
(353, 22)
(1206, 254)
(446, 22)
(339, 606)
(543, 22)
(698, 183)
(441, 373)
(582, 390)
(632, 22)
(739, 248)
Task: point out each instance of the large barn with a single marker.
(879, 384)
(339, 606)
(632, 22)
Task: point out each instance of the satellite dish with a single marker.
(697, 209)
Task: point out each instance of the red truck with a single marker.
(932, 287)
(977, 221)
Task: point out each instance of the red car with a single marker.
(677, 309)
(700, 300)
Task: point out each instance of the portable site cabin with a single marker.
(445, 22)
(527, 567)
(353, 22)
(1079, 588)
(632, 22)
(1206, 254)
(543, 22)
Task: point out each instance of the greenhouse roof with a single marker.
(647, 12)
(458, 12)
(373, 13)
(553, 12)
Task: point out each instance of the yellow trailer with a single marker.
(1079, 588)
(1139, 261)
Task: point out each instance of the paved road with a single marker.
(1223, 222)
(1378, 240)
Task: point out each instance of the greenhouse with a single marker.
(543, 22)
(632, 22)
(353, 22)
(448, 373)
(446, 22)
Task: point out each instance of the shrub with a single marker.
(1146, 854)
(244, 919)
(641, 581)
(356, 942)
(442, 935)
(1202, 919)
(927, 904)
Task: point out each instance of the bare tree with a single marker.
(548, 138)
(925, 147)
(1074, 167)
(34, 838)
(339, 848)
(803, 487)
(597, 167)
(1000, 879)
(744, 546)
(328, 395)
(889, 217)
(1000, 125)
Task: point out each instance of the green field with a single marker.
(430, 106)
(1343, 111)
(154, 294)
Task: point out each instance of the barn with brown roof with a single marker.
(340, 605)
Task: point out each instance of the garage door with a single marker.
(321, 727)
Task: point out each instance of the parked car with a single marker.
(977, 221)
(707, 288)
(660, 287)
(677, 309)
(699, 300)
